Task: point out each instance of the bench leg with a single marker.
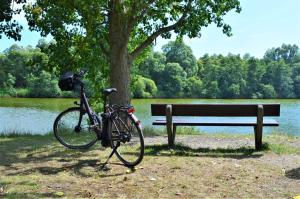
(258, 129)
(170, 135)
(174, 134)
(258, 137)
(169, 125)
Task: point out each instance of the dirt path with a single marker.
(201, 167)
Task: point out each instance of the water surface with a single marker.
(36, 116)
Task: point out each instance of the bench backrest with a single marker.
(216, 110)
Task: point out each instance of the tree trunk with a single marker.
(119, 58)
(120, 74)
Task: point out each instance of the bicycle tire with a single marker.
(64, 129)
(126, 153)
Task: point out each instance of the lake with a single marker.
(36, 116)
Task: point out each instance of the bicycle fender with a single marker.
(136, 120)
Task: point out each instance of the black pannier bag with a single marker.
(66, 82)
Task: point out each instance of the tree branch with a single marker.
(160, 31)
(135, 17)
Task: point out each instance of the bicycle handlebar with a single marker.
(79, 76)
(82, 72)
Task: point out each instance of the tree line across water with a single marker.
(172, 73)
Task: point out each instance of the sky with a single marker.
(261, 25)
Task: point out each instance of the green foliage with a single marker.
(297, 86)
(25, 72)
(194, 87)
(212, 90)
(279, 75)
(174, 78)
(43, 85)
(109, 36)
(220, 76)
(153, 66)
(178, 52)
(287, 53)
(9, 27)
(144, 88)
(268, 91)
(232, 74)
(256, 70)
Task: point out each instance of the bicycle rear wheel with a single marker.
(72, 129)
(130, 139)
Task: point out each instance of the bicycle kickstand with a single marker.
(111, 154)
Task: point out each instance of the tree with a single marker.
(210, 75)
(122, 29)
(8, 26)
(153, 66)
(297, 86)
(194, 87)
(256, 70)
(174, 80)
(285, 52)
(268, 91)
(279, 74)
(212, 90)
(178, 52)
(43, 85)
(232, 76)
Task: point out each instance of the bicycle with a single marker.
(80, 127)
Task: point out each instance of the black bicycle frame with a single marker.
(84, 106)
(105, 117)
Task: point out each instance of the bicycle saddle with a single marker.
(109, 91)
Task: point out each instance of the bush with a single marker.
(144, 88)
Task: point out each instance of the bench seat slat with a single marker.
(216, 122)
(216, 110)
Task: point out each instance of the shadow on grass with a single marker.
(76, 168)
(31, 195)
(34, 153)
(183, 150)
(34, 148)
(293, 174)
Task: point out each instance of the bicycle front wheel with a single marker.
(72, 129)
(130, 139)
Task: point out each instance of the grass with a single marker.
(152, 131)
(36, 166)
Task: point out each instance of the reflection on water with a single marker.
(36, 116)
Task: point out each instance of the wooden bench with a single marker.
(253, 116)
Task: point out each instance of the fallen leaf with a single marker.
(133, 169)
(152, 179)
(59, 194)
